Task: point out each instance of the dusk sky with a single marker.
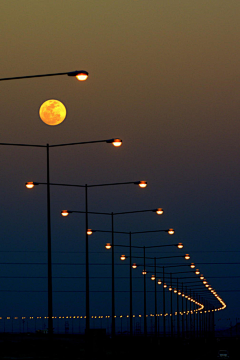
(164, 78)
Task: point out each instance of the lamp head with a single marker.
(108, 246)
(142, 184)
(123, 257)
(89, 231)
(65, 213)
(116, 142)
(159, 211)
(171, 231)
(187, 257)
(81, 75)
(30, 185)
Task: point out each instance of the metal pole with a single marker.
(171, 297)
(145, 297)
(131, 312)
(155, 293)
(178, 327)
(50, 311)
(87, 262)
(164, 318)
(113, 295)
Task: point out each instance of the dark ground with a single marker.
(73, 347)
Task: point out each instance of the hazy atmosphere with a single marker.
(164, 78)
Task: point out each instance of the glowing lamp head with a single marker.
(180, 246)
(165, 286)
(197, 272)
(81, 75)
(30, 185)
(192, 266)
(187, 257)
(123, 257)
(170, 288)
(134, 265)
(64, 213)
(144, 272)
(108, 246)
(170, 231)
(159, 211)
(142, 184)
(117, 142)
(153, 277)
(89, 232)
(159, 282)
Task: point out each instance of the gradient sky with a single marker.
(163, 77)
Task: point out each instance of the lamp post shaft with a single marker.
(113, 290)
(87, 262)
(145, 295)
(130, 276)
(50, 311)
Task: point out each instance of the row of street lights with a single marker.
(82, 76)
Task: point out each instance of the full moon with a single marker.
(52, 112)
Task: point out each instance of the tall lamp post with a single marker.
(115, 142)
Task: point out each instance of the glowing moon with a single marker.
(52, 112)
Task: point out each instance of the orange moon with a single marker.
(52, 112)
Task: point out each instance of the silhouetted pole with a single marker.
(50, 310)
(87, 262)
(145, 296)
(164, 310)
(155, 294)
(130, 277)
(113, 287)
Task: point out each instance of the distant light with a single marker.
(117, 142)
(30, 185)
(171, 231)
(108, 246)
(159, 211)
(142, 184)
(89, 232)
(123, 257)
(65, 213)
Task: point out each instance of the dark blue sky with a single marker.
(162, 77)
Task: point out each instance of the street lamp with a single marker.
(81, 75)
(112, 233)
(141, 184)
(30, 185)
(153, 277)
(109, 246)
